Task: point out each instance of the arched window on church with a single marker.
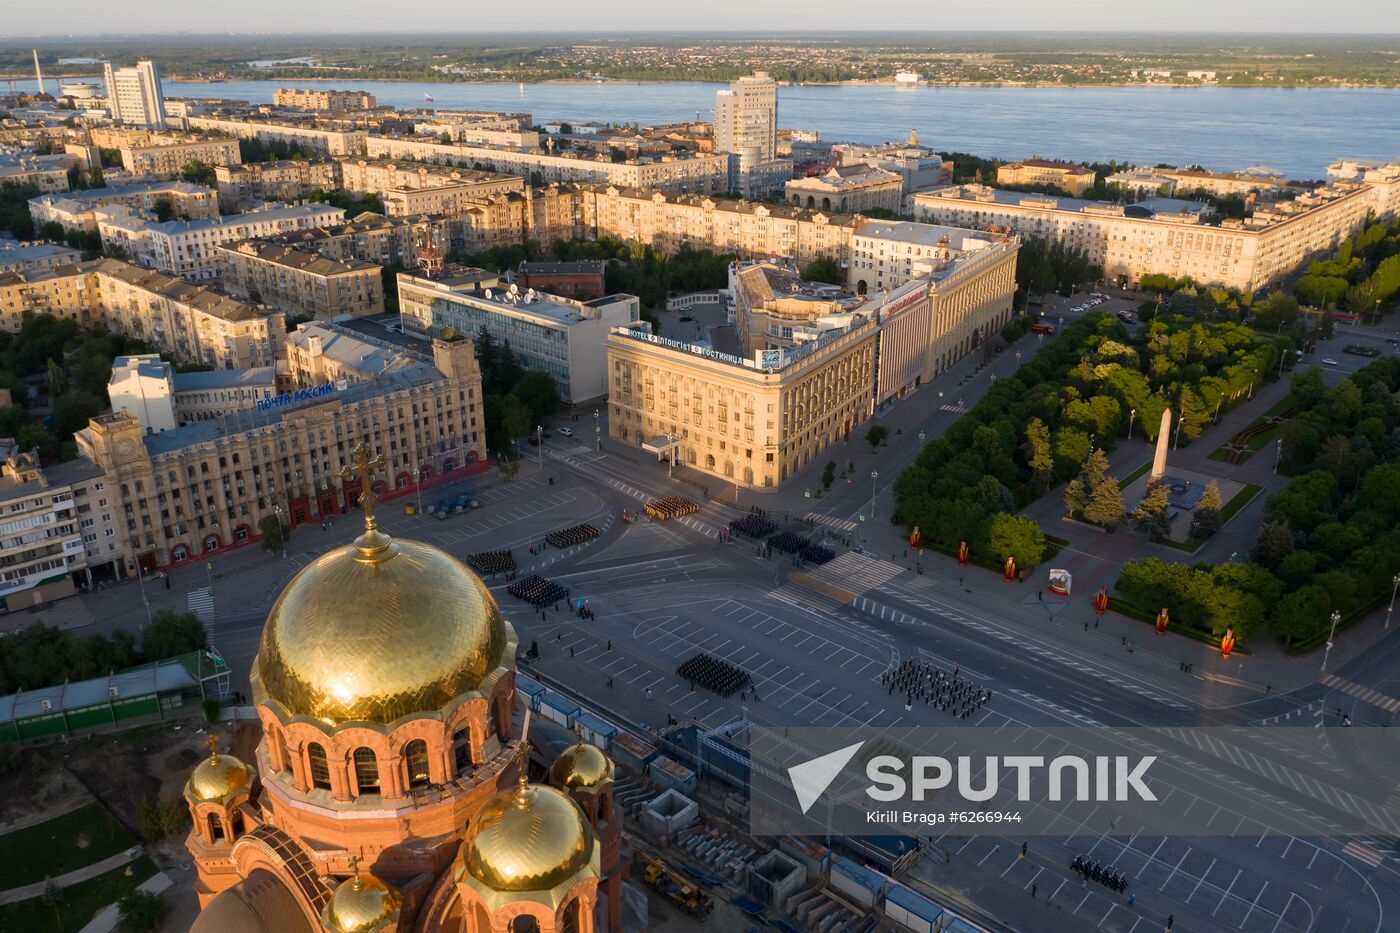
(570, 924)
(216, 827)
(462, 749)
(286, 758)
(415, 756)
(320, 771)
(366, 770)
(524, 924)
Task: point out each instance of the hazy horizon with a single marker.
(624, 17)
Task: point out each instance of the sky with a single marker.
(93, 17)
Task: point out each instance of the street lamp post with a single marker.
(141, 576)
(1278, 453)
(418, 482)
(874, 486)
(671, 453)
(1336, 617)
(1391, 607)
(1132, 413)
(1018, 359)
(1253, 376)
(281, 533)
(597, 430)
(921, 438)
(539, 446)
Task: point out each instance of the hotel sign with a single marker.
(901, 303)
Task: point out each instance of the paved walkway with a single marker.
(25, 892)
(107, 918)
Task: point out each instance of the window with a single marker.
(320, 771)
(366, 770)
(415, 755)
(461, 749)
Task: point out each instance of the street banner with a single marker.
(1162, 621)
(1101, 600)
(1227, 643)
(1060, 581)
(914, 537)
(962, 553)
(1010, 571)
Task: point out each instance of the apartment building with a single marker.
(301, 281)
(379, 176)
(918, 167)
(328, 100)
(584, 277)
(330, 139)
(848, 189)
(697, 174)
(751, 421)
(559, 336)
(886, 254)
(134, 95)
(322, 352)
(201, 488)
(190, 248)
(375, 238)
(149, 389)
(78, 210)
(55, 527)
(34, 257)
(749, 229)
(249, 185)
(192, 323)
(1163, 236)
(166, 156)
(746, 128)
(47, 173)
(1224, 184)
(1068, 177)
(478, 134)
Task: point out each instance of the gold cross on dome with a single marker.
(212, 741)
(524, 755)
(364, 468)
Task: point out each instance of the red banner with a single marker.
(1010, 571)
(914, 537)
(1227, 643)
(1162, 621)
(962, 552)
(1101, 600)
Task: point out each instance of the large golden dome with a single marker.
(581, 767)
(528, 839)
(376, 632)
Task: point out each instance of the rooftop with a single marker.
(125, 219)
(121, 191)
(203, 299)
(511, 300)
(908, 231)
(224, 379)
(283, 254)
(578, 267)
(13, 252)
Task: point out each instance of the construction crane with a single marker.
(678, 890)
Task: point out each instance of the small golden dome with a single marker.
(376, 632)
(581, 767)
(361, 904)
(217, 776)
(528, 839)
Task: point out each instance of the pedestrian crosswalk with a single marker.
(201, 603)
(956, 408)
(831, 521)
(1387, 703)
(1363, 852)
(858, 573)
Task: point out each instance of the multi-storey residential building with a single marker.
(751, 421)
(547, 214)
(1223, 184)
(190, 248)
(302, 281)
(698, 174)
(1161, 236)
(134, 95)
(885, 254)
(245, 186)
(166, 156)
(204, 487)
(918, 167)
(451, 200)
(47, 173)
(330, 139)
(582, 278)
(314, 99)
(378, 176)
(148, 388)
(848, 189)
(1068, 177)
(77, 210)
(375, 238)
(321, 352)
(559, 336)
(478, 134)
(192, 323)
(34, 257)
(55, 526)
(747, 228)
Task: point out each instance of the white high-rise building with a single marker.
(746, 127)
(134, 95)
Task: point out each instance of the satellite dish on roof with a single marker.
(529, 295)
(514, 289)
(488, 294)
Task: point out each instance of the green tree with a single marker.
(164, 209)
(1076, 497)
(829, 474)
(1208, 511)
(538, 391)
(1303, 614)
(825, 270)
(139, 910)
(53, 231)
(1151, 514)
(1015, 536)
(198, 172)
(1274, 542)
(515, 419)
(876, 435)
(275, 533)
(172, 633)
(1105, 507)
(1038, 456)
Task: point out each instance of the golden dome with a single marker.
(378, 631)
(360, 905)
(217, 776)
(581, 767)
(528, 839)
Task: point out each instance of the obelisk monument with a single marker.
(1159, 460)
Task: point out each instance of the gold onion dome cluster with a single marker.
(376, 632)
(361, 904)
(528, 839)
(581, 767)
(216, 777)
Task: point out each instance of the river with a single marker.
(1295, 131)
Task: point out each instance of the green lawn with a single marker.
(1123, 483)
(1259, 441)
(85, 835)
(80, 901)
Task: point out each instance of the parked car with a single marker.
(566, 432)
(1329, 362)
